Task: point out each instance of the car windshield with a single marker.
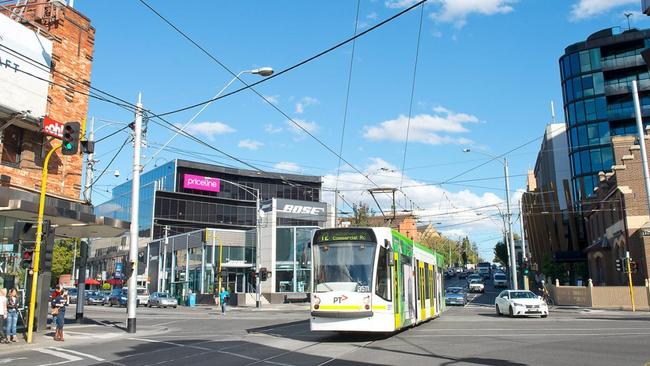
(499, 277)
(454, 290)
(475, 281)
(343, 266)
(72, 291)
(522, 295)
(163, 295)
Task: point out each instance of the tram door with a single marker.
(409, 290)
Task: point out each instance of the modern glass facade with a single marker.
(167, 201)
(596, 84)
(293, 259)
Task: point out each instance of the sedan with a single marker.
(476, 285)
(500, 280)
(94, 298)
(162, 300)
(520, 303)
(118, 297)
(455, 296)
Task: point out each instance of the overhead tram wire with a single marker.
(347, 98)
(415, 70)
(110, 162)
(265, 100)
(276, 74)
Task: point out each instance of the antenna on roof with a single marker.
(553, 112)
(628, 15)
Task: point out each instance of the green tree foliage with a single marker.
(501, 253)
(452, 250)
(62, 259)
(361, 214)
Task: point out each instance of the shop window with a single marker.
(303, 254)
(12, 146)
(284, 245)
(283, 281)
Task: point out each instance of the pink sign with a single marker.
(201, 183)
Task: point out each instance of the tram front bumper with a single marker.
(342, 314)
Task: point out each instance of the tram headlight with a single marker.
(366, 301)
(316, 302)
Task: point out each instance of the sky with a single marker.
(487, 71)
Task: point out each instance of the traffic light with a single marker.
(142, 263)
(24, 240)
(621, 265)
(27, 256)
(47, 248)
(525, 268)
(264, 274)
(70, 145)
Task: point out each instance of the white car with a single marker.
(500, 280)
(520, 303)
(475, 285)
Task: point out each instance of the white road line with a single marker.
(65, 356)
(496, 337)
(438, 330)
(9, 360)
(78, 353)
(171, 343)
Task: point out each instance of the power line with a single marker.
(415, 70)
(293, 67)
(347, 95)
(110, 162)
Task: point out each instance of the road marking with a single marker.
(496, 337)
(65, 356)
(78, 353)
(8, 360)
(170, 343)
(437, 330)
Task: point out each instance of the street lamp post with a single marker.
(512, 259)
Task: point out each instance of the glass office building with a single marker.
(596, 83)
(184, 196)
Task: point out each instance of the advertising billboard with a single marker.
(52, 128)
(302, 210)
(201, 183)
(25, 64)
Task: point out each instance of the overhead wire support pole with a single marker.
(37, 249)
(629, 277)
(513, 257)
(135, 205)
(641, 131)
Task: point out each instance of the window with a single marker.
(582, 136)
(603, 132)
(607, 158)
(593, 134)
(12, 145)
(580, 112)
(596, 161)
(572, 114)
(577, 88)
(594, 56)
(427, 292)
(574, 138)
(284, 245)
(590, 109)
(569, 90)
(575, 64)
(588, 86)
(585, 161)
(599, 83)
(383, 275)
(585, 62)
(601, 108)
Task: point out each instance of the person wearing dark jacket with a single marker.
(58, 312)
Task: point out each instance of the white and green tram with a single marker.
(372, 280)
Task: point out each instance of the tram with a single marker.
(372, 280)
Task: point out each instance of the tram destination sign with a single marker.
(333, 235)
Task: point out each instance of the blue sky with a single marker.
(487, 71)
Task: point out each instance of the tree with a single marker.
(361, 214)
(62, 258)
(501, 253)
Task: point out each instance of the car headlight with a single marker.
(517, 304)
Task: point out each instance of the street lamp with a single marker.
(255, 192)
(513, 262)
(262, 71)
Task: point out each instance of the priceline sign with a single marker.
(200, 183)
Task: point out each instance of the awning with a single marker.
(114, 281)
(92, 282)
(70, 218)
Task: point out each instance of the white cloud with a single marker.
(275, 99)
(372, 16)
(209, 129)
(311, 127)
(304, 103)
(287, 166)
(454, 212)
(457, 11)
(250, 144)
(271, 129)
(396, 4)
(589, 8)
(425, 128)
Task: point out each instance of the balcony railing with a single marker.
(625, 88)
(622, 62)
(626, 113)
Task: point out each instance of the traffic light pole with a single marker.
(37, 249)
(629, 278)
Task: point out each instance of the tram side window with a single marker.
(383, 289)
(426, 281)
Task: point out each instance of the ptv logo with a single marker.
(340, 299)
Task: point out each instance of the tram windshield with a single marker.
(343, 266)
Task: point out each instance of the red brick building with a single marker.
(616, 217)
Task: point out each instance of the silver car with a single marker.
(162, 300)
(455, 296)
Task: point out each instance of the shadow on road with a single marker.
(202, 352)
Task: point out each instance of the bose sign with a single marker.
(302, 210)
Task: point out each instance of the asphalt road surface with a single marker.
(279, 335)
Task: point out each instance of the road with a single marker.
(279, 335)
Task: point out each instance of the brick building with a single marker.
(46, 54)
(616, 216)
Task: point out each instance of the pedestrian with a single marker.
(12, 315)
(216, 298)
(3, 315)
(224, 296)
(58, 313)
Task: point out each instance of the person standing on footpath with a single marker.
(12, 315)
(58, 312)
(224, 296)
(3, 314)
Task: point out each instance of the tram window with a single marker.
(426, 281)
(383, 289)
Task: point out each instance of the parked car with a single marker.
(520, 303)
(476, 285)
(500, 280)
(455, 296)
(118, 297)
(94, 298)
(161, 300)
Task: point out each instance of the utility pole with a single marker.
(641, 131)
(135, 203)
(513, 259)
(523, 239)
(164, 262)
(90, 165)
(336, 207)
(258, 282)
